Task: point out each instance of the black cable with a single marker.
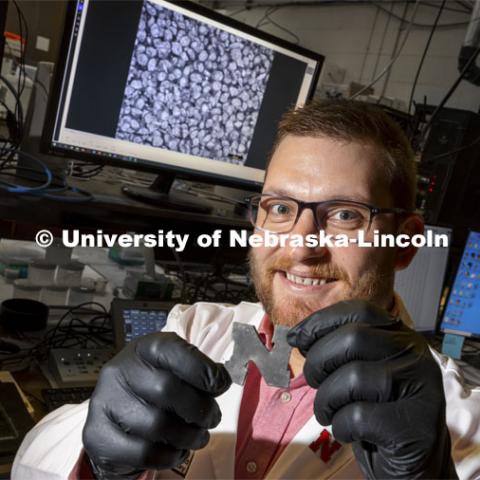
(67, 336)
(448, 94)
(457, 150)
(21, 72)
(327, 3)
(42, 86)
(4, 171)
(23, 49)
(450, 9)
(18, 107)
(395, 46)
(78, 307)
(19, 81)
(236, 12)
(44, 190)
(18, 114)
(389, 65)
(380, 50)
(80, 195)
(88, 173)
(369, 43)
(267, 11)
(15, 188)
(295, 36)
(467, 8)
(5, 106)
(422, 25)
(425, 50)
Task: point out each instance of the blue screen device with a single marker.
(462, 312)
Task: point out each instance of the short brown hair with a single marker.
(350, 120)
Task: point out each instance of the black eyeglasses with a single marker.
(280, 214)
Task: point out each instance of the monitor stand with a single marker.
(159, 193)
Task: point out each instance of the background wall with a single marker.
(361, 38)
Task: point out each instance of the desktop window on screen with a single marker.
(172, 87)
(462, 313)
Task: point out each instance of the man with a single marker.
(367, 397)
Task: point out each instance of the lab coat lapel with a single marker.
(224, 438)
(298, 460)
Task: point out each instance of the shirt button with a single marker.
(251, 467)
(285, 397)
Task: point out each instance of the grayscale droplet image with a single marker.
(193, 88)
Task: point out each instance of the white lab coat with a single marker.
(52, 448)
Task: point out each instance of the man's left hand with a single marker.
(380, 389)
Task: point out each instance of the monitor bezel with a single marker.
(457, 332)
(142, 165)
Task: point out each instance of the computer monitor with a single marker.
(462, 313)
(173, 87)
(420, 285)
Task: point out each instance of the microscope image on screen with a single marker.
(193, 88)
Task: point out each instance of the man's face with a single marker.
(318, 169)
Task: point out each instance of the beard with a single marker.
(375, 285)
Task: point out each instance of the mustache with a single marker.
(324, 270)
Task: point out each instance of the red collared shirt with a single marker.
(269, 417)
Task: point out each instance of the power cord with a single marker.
(447, 96)
(72, 330)
(425, 50)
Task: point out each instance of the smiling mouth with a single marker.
(308, 281)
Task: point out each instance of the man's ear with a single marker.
(411, 225)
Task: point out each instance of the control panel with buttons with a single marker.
(77, 367)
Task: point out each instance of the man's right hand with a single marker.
(153, 402)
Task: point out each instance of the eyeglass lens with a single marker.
(280, 215)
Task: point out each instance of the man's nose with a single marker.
(306, 225)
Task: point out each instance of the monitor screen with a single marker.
(420, 285)
(140, 322)
(176, 86)
(462, 313)
(135, 318)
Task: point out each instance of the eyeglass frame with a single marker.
(314, 205)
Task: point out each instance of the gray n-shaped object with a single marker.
(273, 365)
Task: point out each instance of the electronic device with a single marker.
(56, 397)
(450, 167)
(135, 318)
(462, 312)
(77, 367)
(420, 285)
(174, 88)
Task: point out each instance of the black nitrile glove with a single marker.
(379, 387)
(153, 402)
